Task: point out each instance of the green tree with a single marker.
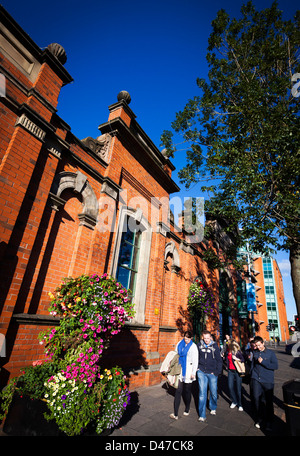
(242, 132)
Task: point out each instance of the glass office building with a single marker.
(271, 298)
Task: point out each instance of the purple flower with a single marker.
(64, 397)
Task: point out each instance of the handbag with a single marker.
(240, 367)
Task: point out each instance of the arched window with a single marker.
(172, 253)
(129, 254)
(130, 265)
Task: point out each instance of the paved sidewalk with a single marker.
(148, 413)
(150, 407)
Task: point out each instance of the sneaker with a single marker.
(233, 405)
(173, 416)
(202, 419)
(241, 409)
(186, 413)
(257, 425)
(213, 412)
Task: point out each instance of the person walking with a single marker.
(233, 354)
(209, 368)
(188, 360)
(264, 363)
(249, 349)
(248, 355)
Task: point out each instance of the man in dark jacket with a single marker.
(264, 363)
(209, 367)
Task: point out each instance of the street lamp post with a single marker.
(248, 257)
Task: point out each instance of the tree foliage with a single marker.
(242, 132)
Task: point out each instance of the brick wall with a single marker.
(262, 315)
(55, 189)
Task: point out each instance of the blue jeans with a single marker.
(235, 387)
(205, 380)
(260, 390)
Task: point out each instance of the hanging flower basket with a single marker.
(200, 301)
(78, 393)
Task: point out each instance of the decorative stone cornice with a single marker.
(162, 228)
(110, 188)
(136, 326)
(187, 248)
(56, 202)
(36, 319)
(149, 156)
(86, 220)
(100, 146)
(168, 329)
(26, 123)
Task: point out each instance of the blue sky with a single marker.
(153, 49)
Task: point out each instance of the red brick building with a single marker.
(64, 203)
(271, 307)
(268, 311)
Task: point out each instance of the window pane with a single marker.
(123, 276)
(128, 256)
(125, 254)
(128, 236)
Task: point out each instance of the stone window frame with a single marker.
(171, 251)
(139, 298)
(78, 183)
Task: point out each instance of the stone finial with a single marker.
(58, 51)
(123, 95)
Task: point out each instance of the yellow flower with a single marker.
(110, 377)
(101, 376)
(51, 295)
(78, 299)
(108, 372)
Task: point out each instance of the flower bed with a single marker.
(78, 394)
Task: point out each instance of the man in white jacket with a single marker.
(188, 359)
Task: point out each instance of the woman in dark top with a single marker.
(232, 354)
